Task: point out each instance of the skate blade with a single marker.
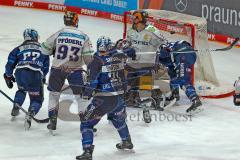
(53, 132)
(128, 151)
(27, 126)
(13, 118)
(147, 121)
(197, 111)
(171, 103)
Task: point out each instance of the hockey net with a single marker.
(177, 26)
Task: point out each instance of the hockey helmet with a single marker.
(140, 16)
(104, 44)
(30, 35)
(71, 18)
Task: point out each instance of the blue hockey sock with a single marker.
(20, 97)
(86, 129)
(122, 128)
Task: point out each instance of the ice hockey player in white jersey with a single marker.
(71, 49)
(145, 39)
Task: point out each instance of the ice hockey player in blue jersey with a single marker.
(31, 69)
(108, 84)
(179, 59)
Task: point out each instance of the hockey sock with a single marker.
(87, 132)
(20, 97)
(122, 128)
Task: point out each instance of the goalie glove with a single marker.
(123, 44)
(9, 80)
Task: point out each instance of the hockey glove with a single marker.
(9, 80)
(123, 44)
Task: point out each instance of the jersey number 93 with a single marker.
(63, 51)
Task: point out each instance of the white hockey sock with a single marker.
(53, 102)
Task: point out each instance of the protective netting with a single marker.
(177, 26)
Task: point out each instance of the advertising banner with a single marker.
(112, 6)
(223, 16)
(49, 1)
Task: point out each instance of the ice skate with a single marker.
(195, 107)
(28, 121)
(52, 126)
(125, 144)
(87, 154)
(174, 94)
(15, 112)
(146, 115)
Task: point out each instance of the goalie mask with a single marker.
(104, 44)
(30, 35)
(70, 19)
(140, 16)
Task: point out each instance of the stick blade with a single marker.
(229, 47)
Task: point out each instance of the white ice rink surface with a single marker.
(212, 135)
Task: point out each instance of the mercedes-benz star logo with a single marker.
(181, 5)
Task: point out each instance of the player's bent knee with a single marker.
(89, 124)
(119, 119)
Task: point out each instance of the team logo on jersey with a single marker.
(146, 37)
(181, 5)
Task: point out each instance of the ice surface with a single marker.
(212, 135)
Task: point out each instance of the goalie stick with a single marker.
(35, 119)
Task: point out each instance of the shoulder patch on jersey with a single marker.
(151, 28)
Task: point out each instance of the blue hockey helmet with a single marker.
(104, 44)
(30, 35)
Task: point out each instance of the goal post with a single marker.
(178, 26)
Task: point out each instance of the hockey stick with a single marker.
(212, 50)
(36, 120)
(229, 47)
